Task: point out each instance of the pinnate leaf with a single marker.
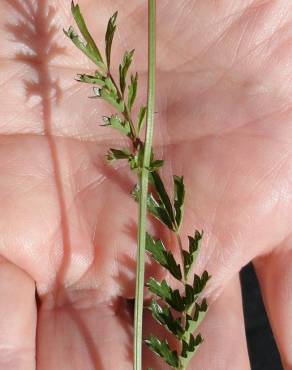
(164, 200)
(162, 349)
(154, 208)
(194, 321)
(89, 79)
(193, 292)
(179, 197)
(200, 312)
(111, 28)
(116, 123)
(189, 348)
(141, 118)
(87, 46)
(189, 297)
(132, 93)
(200, 282)
(165, 292)
(116, 154)
(158, 212)
(163, 257)
(191, 255)
(162, 289)
(161, 206)
(124, 67)
(155, 165)
(110, 97)
(111, 87)
(165, 318)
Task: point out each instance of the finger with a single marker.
(275, 278)
(78, 332)
(224, 346)
(17, 318)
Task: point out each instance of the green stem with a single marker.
(143, 181)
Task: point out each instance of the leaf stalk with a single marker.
(143, 181)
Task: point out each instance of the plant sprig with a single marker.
(179, 311)
(190, 309)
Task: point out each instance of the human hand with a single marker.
(68, 223)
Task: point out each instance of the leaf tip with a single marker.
(74, 7)
(115, 16)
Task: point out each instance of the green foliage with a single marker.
(163, 257)
(134, 160)
(162, 349)
(179, 198)
(164, 200)
(192, 310)
(199, 283)
(165, 318)
(155, 165)
(167, 294)
(190, 256)
(179, 311)
(159, 203)
(132, 91)
(111, 87)
(124, 67)
(188, 349)
(158, 211)
(118, 124)
(194, 319)
(154, 207)
(110, 96)
(87, 45)
(111, 28)
(115, 154)
(141, 118)
(89, 79)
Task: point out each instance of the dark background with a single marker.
(262, 349)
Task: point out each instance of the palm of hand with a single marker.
(68, 222)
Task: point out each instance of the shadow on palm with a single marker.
(34, 29)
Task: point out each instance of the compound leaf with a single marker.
(154, 208)
(179, 197)
(163, 197)
(141, 118)
(110, 97)
(165, 292)
(163, 257)
(162, 349)
(132, 93)
(199, 283)
(94, 80)
(88, 46)
(189, 348)
(124, 67)
(191, 256)
(194, 321)
(111, 28)
(116, 123)
(116, 154)
(165, 318)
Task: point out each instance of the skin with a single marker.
(68, 224)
